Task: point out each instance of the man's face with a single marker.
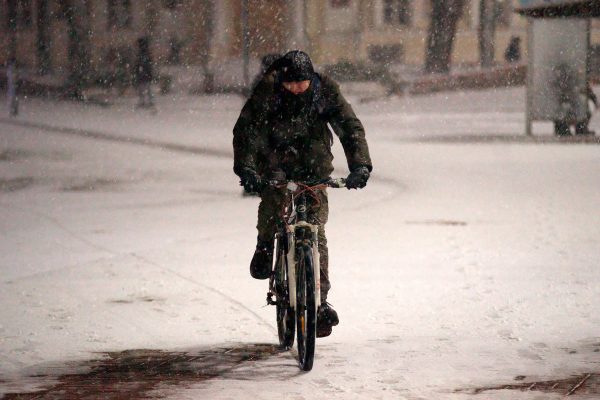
(296, 87)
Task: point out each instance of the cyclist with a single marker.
(282, 128)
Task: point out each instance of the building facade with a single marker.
(209, 33)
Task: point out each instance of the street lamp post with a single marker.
(245, 42)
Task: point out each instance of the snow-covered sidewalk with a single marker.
(463, 265)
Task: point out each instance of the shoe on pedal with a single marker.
(262, 261)
(327, 318)
(323, 330)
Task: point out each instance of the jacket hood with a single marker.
(297, 66)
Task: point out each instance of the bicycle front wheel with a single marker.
(285, 313)
(306, 310)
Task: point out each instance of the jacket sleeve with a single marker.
(247, 127)
(346, 126)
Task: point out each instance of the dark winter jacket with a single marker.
(278, 130)
(143, 67)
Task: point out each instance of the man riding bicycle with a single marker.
(282, 130)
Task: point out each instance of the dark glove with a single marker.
(250, 180)
(358, 178)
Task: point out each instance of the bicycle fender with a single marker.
(291, 265)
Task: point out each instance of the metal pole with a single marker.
(11, 66)
(245, 42)
(487, 21)
(297, 16)
(529, 80)
(305, 42)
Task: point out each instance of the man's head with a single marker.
(297, 71)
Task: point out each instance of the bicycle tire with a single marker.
(284, 312)
(306, 311)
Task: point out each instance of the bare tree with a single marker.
(75, 13)
(486, 31)
(11, 64)
(43, 37)
(11, 13)
(207, 29)
(442, 32)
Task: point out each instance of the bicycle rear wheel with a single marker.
(285, 313)
(306, 311)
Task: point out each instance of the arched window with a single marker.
(396, 12)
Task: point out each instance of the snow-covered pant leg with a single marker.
(270, 207)
(271, 203)
(324, 264)
(581, 128)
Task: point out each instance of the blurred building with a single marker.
(208, 33)
(176, 28)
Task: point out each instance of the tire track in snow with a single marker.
(89, 243)
(89, 134)
(260, 319)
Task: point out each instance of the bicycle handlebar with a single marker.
(329, 182)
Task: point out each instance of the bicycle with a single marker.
(295, 278)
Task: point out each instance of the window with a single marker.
(118, 13)
(504, 12)
(339, 3)
(19, 14)
(396, 12)
(9, 8)
(172, 4)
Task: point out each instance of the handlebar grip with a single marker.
(337, 183)
(331, 182)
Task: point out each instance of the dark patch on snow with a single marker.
(142, 299)
(122, 139)
(500, 138)
(14, 184)
(13, 155)
(588, 384)
(121, 301)
(437, 222)
(141, 374)
(92, 185)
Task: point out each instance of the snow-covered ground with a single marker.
(464, 264)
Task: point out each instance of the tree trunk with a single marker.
(43, 37)
(79, 59)
(487, 29)
(442, 31)
(11, 13)
(206, 33)
(11, 64)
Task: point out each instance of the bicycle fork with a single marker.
(294, 240)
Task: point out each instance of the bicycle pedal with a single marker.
(270, 300)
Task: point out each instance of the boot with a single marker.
(262, 261)
(561, 128)
(581, 128)
(327, 318)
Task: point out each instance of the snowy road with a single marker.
(462, 266)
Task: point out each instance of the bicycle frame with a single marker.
(292, 230)
(296, 222)
(296, 237)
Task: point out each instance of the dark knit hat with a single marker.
(297, 67)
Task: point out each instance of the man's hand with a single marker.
(358, 178)
(250, 180)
